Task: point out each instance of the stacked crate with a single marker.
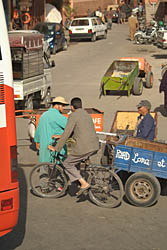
(27, 54)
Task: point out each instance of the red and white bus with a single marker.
(9, 187)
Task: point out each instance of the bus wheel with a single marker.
(142, 189)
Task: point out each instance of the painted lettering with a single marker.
(97, 120)
(122, 155)
(142, 160)
(161, 164)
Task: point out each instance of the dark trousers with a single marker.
(70, 165)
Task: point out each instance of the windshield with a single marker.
(80, 22)
(45, 28)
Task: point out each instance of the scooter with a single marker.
(146, 35)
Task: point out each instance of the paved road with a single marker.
(66, 223)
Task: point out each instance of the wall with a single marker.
(81, 6)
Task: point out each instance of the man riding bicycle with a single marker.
(80, 126)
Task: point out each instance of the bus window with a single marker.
(9, 188)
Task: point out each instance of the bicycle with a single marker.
(106, 188)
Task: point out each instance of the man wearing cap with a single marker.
(145, 128)
(81, 126)
(50, 123)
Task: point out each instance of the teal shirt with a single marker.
(50, 123)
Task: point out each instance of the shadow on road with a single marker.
(160, 56)
(15, 238)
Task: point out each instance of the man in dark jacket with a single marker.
(163, 88)
(145, 128)
(81, 127)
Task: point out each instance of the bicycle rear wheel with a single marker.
(48, 180)
(106, 188)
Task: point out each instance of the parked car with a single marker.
(162, 39)
(54, 34)
(87, 28)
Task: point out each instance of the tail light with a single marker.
(13, 160)
(90, 31)
(163, 40)
(70, 32)
(6, 204)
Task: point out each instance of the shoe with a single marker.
(82, 190)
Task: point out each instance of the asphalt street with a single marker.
(70, 224)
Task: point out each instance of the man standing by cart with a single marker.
(145, 127)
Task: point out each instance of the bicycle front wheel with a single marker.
(106, 188)
(48, 180)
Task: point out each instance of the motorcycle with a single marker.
(146, 35)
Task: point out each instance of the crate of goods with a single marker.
(123, 119)
(27, 54)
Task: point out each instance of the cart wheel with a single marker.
(142, 189)
(138, 86)
(149, 80)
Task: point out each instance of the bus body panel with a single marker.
(8, 218)
(9, 189)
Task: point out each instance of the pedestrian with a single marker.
(109, 18)
(50, 123)
(140, 9)
(89, 13)
(145, 127)
(133, 25)
(98, 13)
(123, 12)
(81, 126)
(119, 15)
(163, 88)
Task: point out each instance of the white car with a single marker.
(162, 39)
(87, 28)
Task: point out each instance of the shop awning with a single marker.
(52, 14)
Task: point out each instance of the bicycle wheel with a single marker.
(106, 188)
(48, 180)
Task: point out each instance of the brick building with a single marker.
(81, 6)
